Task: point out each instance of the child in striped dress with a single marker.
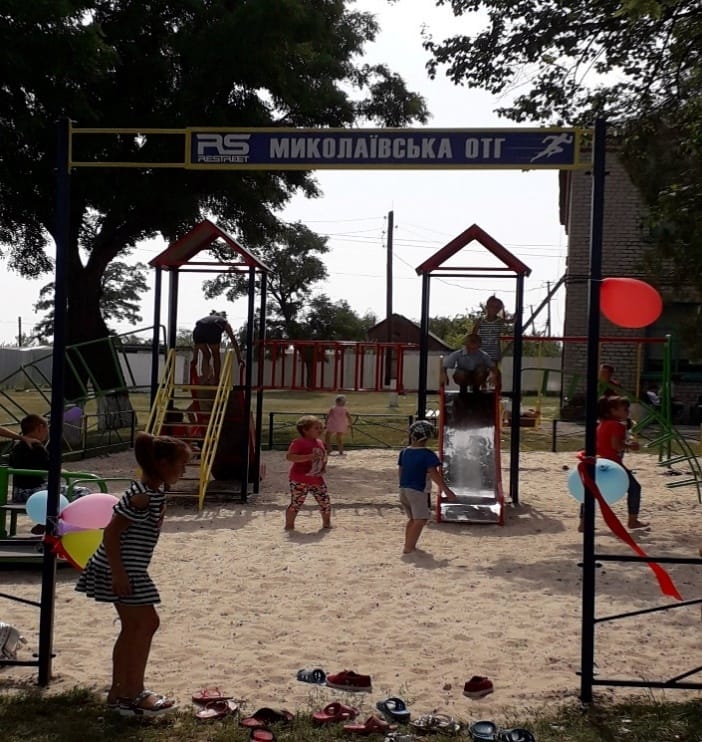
(490, 328)
(117, 572)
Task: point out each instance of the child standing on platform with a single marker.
(117, 572)
(308, 457)
(416, 464)
(490, 328)
(339, 423)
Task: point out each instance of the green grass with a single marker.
(80, 715)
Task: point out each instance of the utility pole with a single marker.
(19, 332)
(388, 297)
(548, 309)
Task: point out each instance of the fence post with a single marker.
(554, 435)
(270, 430)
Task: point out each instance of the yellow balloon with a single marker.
(81, 545)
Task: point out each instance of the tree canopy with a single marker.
(636, 62)
(175, 63)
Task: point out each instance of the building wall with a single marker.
(624, 216)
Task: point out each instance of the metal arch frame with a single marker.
(64, 164)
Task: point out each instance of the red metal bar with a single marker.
(583, 339)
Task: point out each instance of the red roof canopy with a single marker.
(199, 238)
(474, 232)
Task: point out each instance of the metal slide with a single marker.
(469, 448)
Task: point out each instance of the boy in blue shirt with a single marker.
(416, 463)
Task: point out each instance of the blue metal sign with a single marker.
(314, 149)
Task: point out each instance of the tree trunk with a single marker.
(92, 368)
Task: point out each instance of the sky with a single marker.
(519, 209)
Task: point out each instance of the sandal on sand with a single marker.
(316, 676)
(395, 709)
(217, 710)
(265, 716)
(205, 695)
(435, 723)
(515, 735)
(135, 707)
(334, 712)
(483, 731)
(262, 735)
(372, 725)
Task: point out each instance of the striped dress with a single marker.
(490, 331)
(136, 545)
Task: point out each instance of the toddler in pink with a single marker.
(338, 424)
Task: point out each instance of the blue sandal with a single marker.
(515, 735)
(483, 731)
(395, 709)
(316, 676)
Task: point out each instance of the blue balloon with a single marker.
(36, 506)
(610, 477)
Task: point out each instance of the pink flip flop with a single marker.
(205, 695)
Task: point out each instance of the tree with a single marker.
(636, 62)
(117, 63)
(326, 320)
(453, 330)
(121, 288)
(295, 267)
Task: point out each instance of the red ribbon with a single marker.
(664, 580)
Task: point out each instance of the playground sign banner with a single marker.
(314, 149)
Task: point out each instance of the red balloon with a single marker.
(628, 302)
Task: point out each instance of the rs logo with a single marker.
(236, 145)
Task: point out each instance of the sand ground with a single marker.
(246, 604)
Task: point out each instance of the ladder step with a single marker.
(682, 483)
(675, 460)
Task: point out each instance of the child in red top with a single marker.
(309, 460)
(611, 444)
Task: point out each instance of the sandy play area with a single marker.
(245, 604)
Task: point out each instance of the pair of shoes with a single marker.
(334, 712)
(394, 709)
(135, 706)
(316, 676)
(478, 687)
(436, 723)
(261, 734)
(265, 716)
(372, 725)
(218, 709)
(351, 681)
(487, 731)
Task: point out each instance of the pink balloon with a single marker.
(628, 302)
(91, 511)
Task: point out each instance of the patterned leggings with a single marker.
(300, 490)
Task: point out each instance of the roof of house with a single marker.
(474, 232)
(200, 237)
(402, 318)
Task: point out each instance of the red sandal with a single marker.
(372, 725)
(334, 712)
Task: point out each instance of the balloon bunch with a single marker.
(80, 524)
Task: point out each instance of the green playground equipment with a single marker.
(35, 377)
(673, 447)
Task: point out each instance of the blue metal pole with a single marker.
(423, 350)
(58, 373)
(587, 647)
(515, 430)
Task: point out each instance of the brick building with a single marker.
(623, 245)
